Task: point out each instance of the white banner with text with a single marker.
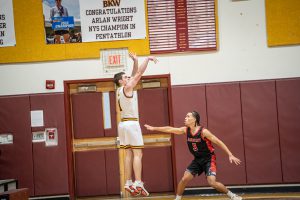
(109, 20)
(7, 27)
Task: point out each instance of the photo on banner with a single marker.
(62, 21)
(7, 27)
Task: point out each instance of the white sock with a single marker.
(138, 182)
(178, 197)
(230, 194)
(129, 182)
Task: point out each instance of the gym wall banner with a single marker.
(7, 27)
(108, 20)
(72, 21)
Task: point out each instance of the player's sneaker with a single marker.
(140, 187)
(131, 190)
(235, 197)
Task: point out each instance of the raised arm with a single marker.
(166, 129)
(137, 76)
(207, 134)
(135, 63)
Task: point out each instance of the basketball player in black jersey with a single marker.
(199, 140)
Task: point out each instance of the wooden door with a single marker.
(95, 161)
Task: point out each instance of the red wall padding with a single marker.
(186, 99)
(153, 107)
(112, 171)
(261, 135)
(87, 115)
(225, 121)
(112, 132)
(90, 173)
(288, 99)
(50, 163)
(16, 159)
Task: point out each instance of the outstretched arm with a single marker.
(166, 129)
(217, 141)
(137, 76)
(135, 63)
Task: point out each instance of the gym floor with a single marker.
(263, 196)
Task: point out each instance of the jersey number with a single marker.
(195, 148)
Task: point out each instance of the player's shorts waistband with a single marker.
(131, 147)
(129, 119)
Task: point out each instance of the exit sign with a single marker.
(114, 60)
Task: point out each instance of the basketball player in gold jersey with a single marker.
(129, 129)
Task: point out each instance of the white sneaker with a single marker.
(177, 198)
(131, 190)
(140, 187)
(236, 197)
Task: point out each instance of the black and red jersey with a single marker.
(198, 145)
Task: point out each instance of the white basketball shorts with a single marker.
(130, 135)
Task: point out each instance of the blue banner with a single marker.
(62, 23)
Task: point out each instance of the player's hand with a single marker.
(234, 159)
(133, 56)
(152, 58)
(148, 127)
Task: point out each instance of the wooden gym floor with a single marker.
(256, 196)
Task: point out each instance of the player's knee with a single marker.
(184, 180)
(211, 183)
(138, 154)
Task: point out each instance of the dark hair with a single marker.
(196, 115)
(118, 77)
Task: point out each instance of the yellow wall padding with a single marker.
(31, 45)
(283, 22)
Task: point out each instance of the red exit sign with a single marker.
(114, 60)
